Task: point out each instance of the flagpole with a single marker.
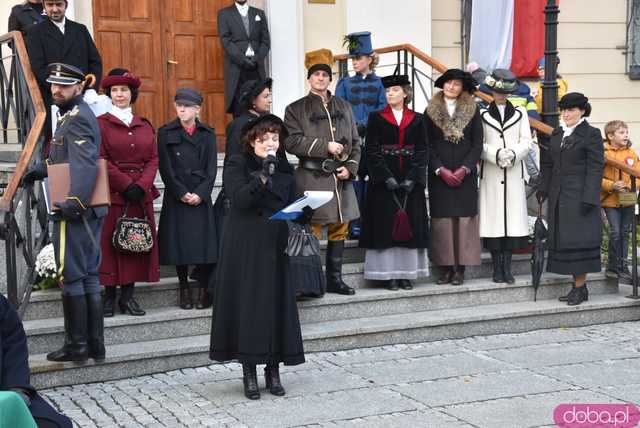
(550, 114)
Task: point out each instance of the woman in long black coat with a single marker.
(255, 318)
(397, 165)
(572, 169)
(454, 132)
(188, 167)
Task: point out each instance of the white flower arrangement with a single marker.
(46, 269)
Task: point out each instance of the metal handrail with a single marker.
(21, 100)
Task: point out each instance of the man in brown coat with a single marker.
(323, 135)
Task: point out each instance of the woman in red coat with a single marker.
(129, 146)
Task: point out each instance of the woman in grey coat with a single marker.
(572, 168)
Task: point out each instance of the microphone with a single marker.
(272, 160)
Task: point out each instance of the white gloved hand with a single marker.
(506, 158)
(90, 96)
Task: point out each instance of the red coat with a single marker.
(132, 156)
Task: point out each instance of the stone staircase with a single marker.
(169, 338)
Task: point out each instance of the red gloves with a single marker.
(460, 174)
(450, 177)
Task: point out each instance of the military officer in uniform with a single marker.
(76, 226)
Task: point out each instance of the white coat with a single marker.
(502, 196)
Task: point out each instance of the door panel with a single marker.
(168, 47)
(127, 34)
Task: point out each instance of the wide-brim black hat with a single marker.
(575, 99)
(468, 82)
(251, 89)
(395, 80)
(269, 117)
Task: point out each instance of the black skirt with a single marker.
(505, 243)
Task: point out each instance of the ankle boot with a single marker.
(566, 296)
(405, 284)
(445, 275)
(272, 379)
(128, 304)
(185, 296)
(335, 284)
(95, 322)
(250, 381)
(580, 294)
(458, 276)
(204, 301)
(506, 267)
(498, 273)
(109, 301)
(391, 284)
(75, 326)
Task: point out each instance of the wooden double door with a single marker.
(169, 44)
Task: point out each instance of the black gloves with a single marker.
(269, 165)
(71, 209)
(133, 193)
(306, 216)
(408, 185)
(249, 64)
(585, 208)
(37, 172)
(362, 130)
(392, 184)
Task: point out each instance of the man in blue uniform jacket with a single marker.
(76, 226)
(14, 369)
(365, 93)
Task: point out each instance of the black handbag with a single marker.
(132, 235)
(304, 265)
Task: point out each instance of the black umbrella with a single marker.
(537, 256)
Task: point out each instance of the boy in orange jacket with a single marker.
(614, 196)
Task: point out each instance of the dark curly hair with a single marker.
(121, 72)
(258, 131)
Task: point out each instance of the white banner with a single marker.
(491, 33)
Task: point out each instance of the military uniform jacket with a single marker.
(77, 142)
(365, 94)
(312, 125)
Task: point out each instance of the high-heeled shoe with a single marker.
(128, 304)
(250, 381)
(272, 379)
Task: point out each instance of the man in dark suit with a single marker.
(58, 39)
(245, 39)
(14, 369)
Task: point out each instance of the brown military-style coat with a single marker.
(312, 125)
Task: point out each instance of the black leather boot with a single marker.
(391, 284)
(272, 379)
(498, 273)
(566, 296)
(95, 322)
(506, 266)
(185, 296)
(335, 284)
(75, 327)
(580, 294)
(446, 273)
(405, 284)
(109, 300)
(250, 381)
(128, 304)
(204, 301)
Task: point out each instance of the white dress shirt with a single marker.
(60, 25)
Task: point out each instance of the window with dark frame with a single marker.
(633, 40)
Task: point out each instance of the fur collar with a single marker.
(452, 127)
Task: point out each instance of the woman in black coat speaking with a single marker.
(397, 165)
(572, 168)
(255, 318)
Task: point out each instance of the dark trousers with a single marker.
(81, 258)
(619, 228)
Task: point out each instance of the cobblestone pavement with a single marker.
(513, 380)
